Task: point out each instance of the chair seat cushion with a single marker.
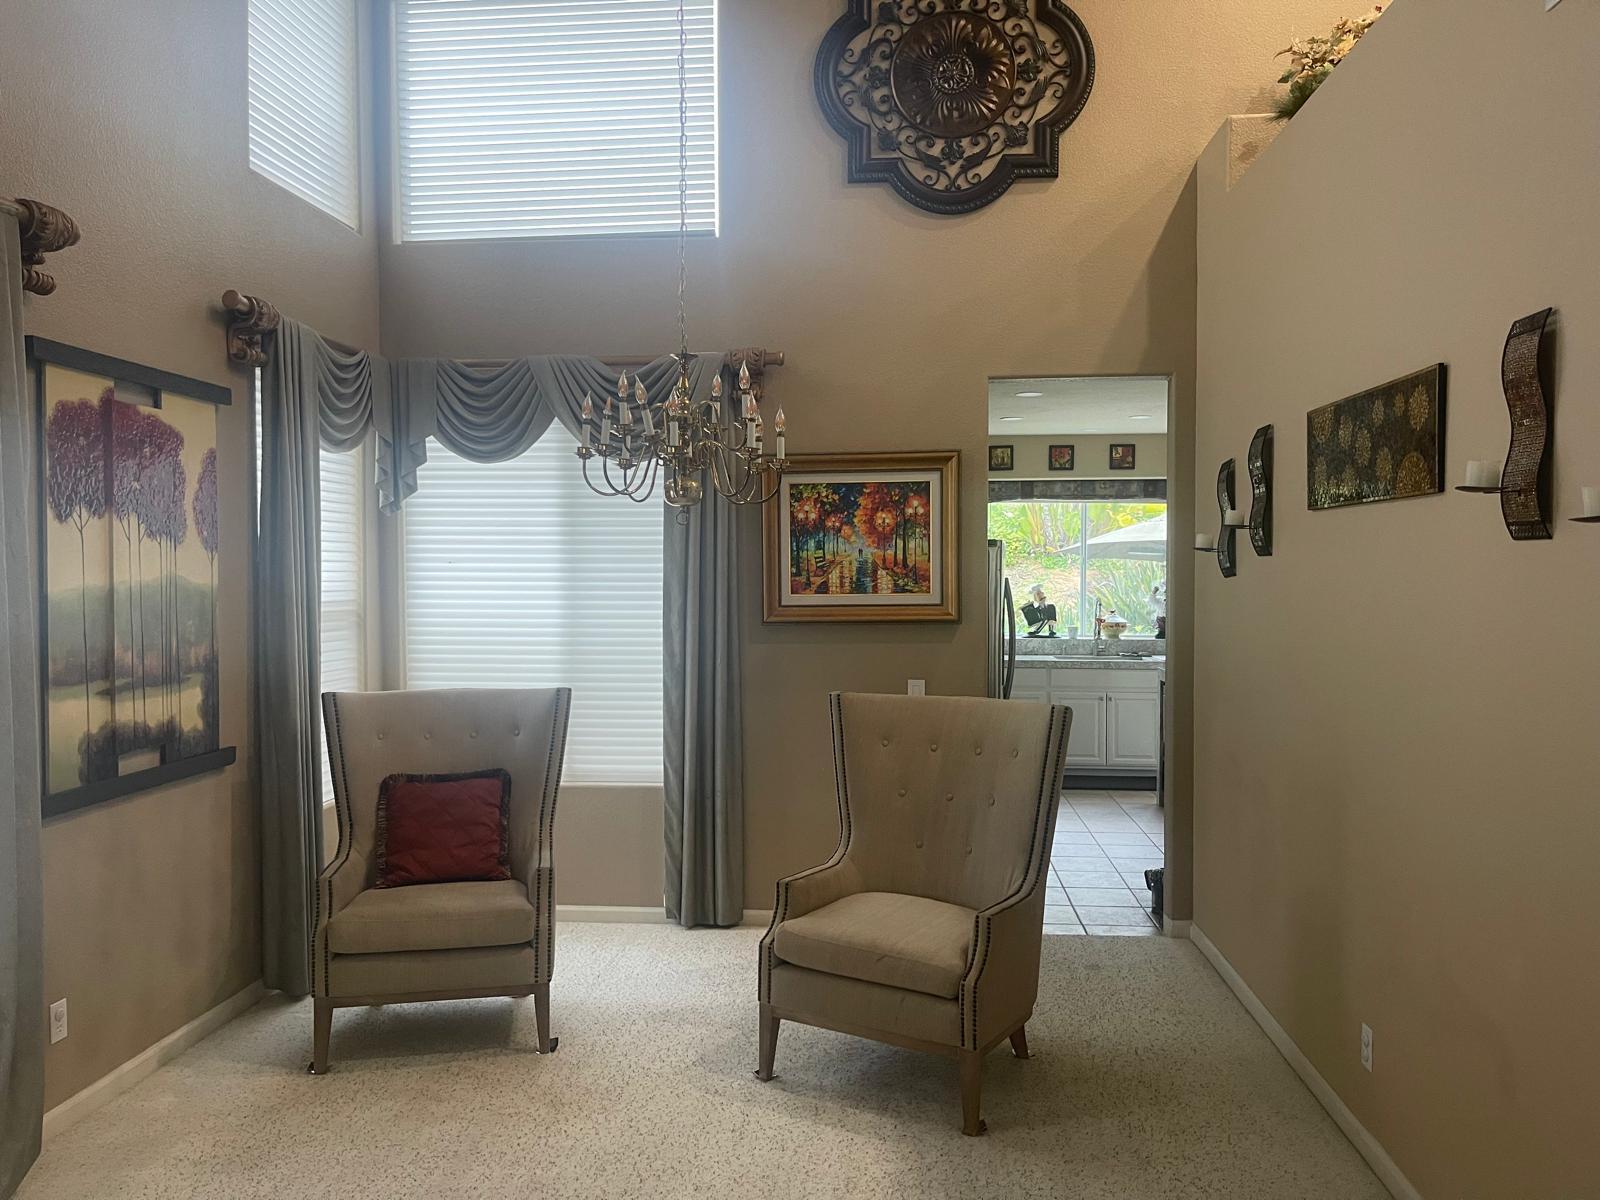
(883, 937)
(433, 916)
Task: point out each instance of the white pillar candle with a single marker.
(1591, 501)
(1483, 473)
(1204, 541)
(1233, 517)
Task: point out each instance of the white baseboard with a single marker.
(623, 914)
(1368, 1146)
(1174, 928)
(107, 1088)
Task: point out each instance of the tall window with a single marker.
(543, 118)
(342, 655)
(303, 110)
(516, 575)
(1081, 551)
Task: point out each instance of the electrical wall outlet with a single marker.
(916, 687)
(1366, 1046)
(58, 1020)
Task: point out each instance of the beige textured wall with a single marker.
(1395, 766)
(1093, 456)
(894, 321)
(132, 119)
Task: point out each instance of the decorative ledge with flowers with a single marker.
(1315, 58)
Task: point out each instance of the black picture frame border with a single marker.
(41, 353)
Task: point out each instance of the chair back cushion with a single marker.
(372, 735)
(945, 796)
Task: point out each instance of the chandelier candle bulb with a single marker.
(605, 427)
(588, 420)
(778, 426)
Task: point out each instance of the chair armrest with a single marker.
(801, 894)
(341, 881)
(1002, 980)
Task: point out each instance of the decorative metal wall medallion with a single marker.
(948, 101)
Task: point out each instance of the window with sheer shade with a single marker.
(303, 123)
(517, 575)
(342, 656)
(550, 118)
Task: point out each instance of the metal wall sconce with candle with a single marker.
(1225, 544)
(1523, 483)
(1258, 463)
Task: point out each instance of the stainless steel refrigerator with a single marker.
(1002, 625)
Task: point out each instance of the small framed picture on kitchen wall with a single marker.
(1002, 458)
(1122, 456)
(1063, 458)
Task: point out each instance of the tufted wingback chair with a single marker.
(438, 941)
(924, 928)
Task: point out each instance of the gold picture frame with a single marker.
(863, 537)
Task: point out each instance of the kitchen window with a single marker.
(1081, 551)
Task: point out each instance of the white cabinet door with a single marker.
(1031, 684)
(1133, 731)
(1086, 744)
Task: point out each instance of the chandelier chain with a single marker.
(683, 182)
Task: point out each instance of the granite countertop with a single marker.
(1107, 661)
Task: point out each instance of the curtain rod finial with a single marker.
(250, 320)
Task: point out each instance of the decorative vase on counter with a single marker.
(1113, 626)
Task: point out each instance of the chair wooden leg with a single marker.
(541, 1007)
(972, 1122)
(1019, 1041)
(321, 1034)
(769, 1042)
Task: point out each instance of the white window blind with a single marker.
(516, 575)
(342, 655)
(540, 118)
(303, 114)
(344, 627)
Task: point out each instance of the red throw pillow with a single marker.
(444, 828)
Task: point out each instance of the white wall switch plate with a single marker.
(58, 1020)
(916, 687)
(1366, 1046)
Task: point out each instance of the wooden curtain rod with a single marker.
(251, 318)
(43, 229)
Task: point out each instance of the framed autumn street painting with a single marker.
(131, 557)
(863, 537)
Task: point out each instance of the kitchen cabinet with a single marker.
(1116, 713)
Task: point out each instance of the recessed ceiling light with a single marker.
(1011, 418)
(1140, 417)
(1029, 395)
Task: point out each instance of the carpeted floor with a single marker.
(1147, 1080)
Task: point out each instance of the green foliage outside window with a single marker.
(1046, 542)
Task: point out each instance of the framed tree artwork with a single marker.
(1123, 456)
(1063, 458)
(131, 543)
(862, 537)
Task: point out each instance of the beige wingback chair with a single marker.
(923, 930)
(438, 941)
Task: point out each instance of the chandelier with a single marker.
(694, 444)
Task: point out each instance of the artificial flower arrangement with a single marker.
(1315, 58)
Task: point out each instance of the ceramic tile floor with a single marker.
(1104, 842)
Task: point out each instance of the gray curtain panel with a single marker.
(21, 919)
(311, 395)
(704, 769)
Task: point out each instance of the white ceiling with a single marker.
(1078, 405)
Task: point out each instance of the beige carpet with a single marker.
(1148, 1080)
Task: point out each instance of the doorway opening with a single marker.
(1078, 557)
